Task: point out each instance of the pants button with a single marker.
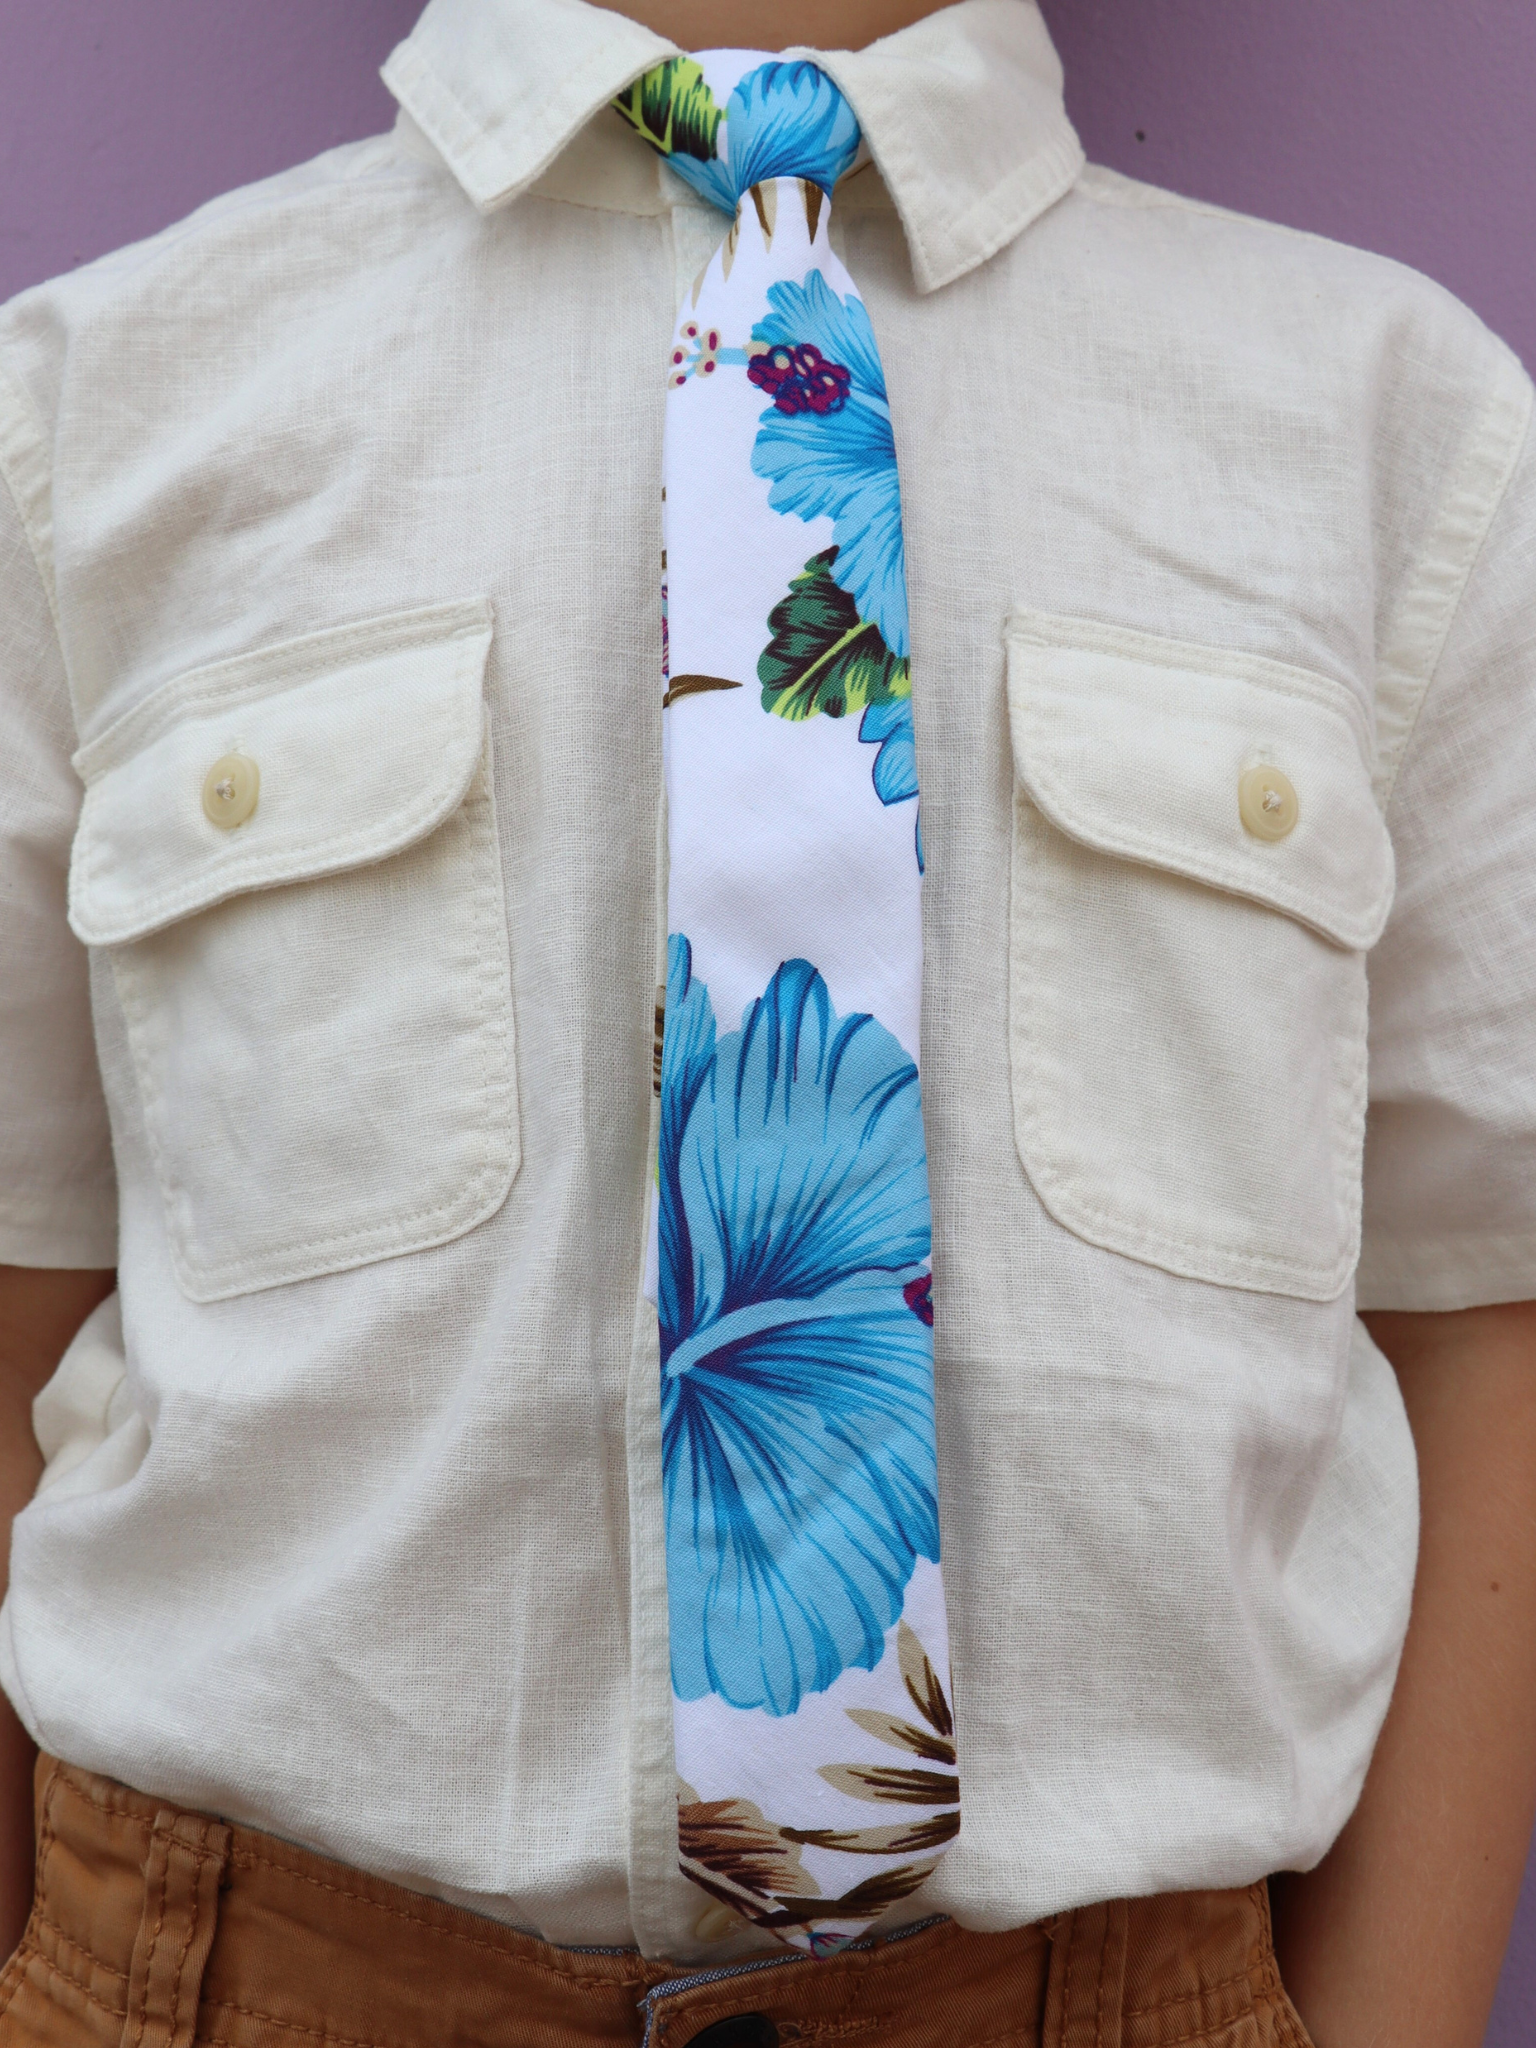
(741, 2030)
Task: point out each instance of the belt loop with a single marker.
(182, 1873)
(1085, 1988)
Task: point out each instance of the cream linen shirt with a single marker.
(351, 1528)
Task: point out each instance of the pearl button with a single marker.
(1266, 803)
(715, 1923)
(230, 790)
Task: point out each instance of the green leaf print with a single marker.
(823, 656)
(673, 109)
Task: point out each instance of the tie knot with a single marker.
(781, 120)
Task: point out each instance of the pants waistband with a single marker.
(155, 1927)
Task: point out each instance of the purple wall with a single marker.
(1402, 125)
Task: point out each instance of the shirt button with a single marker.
(1266, 802)
(230, 790)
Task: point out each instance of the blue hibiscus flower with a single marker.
(840, 465)
(888, 726)
(784, 120)
(797, 1378)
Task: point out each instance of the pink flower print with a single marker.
(696, 354)
(799, 378)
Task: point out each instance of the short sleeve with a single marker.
(58, 1201)
(1450, 1172)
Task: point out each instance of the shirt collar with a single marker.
(962, 112)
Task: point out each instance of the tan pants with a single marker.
(154, 1928)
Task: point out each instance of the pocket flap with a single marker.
(1136, 746)
(365, 738)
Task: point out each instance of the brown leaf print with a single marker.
(865, 1901)
(731, 1850)
(903, 1838)
(902, 1735)
(908, 1788)
(922, 1682)
(728, 1847)
(693, 686)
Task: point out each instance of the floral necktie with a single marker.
(790, 1244)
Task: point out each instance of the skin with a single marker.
(748, 25)
(1397, 1936)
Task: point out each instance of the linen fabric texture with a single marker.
(793, 1228)
(363, 1545)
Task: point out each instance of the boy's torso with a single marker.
(1181, 494)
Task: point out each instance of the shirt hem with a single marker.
(1440, 1278)
(43, 1239)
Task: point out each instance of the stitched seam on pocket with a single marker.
(253, 677)
(1238, 873)
(477, 1197)
(457, 1213)
(13, 1976)
(1350, 933)
(117, 2013)
(1062, 635)
(1136, 2012)
(360, 850)
(67, 1941)
(1052, 1175)
(483, 1192)
(272, 2019)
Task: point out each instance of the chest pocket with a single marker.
(1187, 995)
(292, 857)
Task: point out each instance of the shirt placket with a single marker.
(663, 1909)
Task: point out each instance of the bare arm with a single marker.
(1398, 1935)
(39, 1314)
